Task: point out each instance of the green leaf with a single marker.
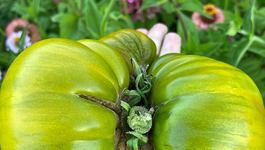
(252, 67)
(68, 26)
(258, 48)
(191, 47)
(169, 7)
(21, 41)
(194, 6)
(151, 3)
(232, 30)
(238, 20)
(116, 15)
(22, 10)
(248, 20)
(126, 106)
(229, 16)
(241, 49)
(93, 18)
(214, 35)
(62, 7)
(190, 27)
(235, 26)
(208, 49)
(221, 26)
(57, 18)
(259, 19)
(143, 139)
(36, 6)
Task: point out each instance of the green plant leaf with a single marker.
(169, 7)
(194, 6)
(235, 25)
(20, 9)
(36, 6)
(21, 41)
(252, 67)
(208, 49)
(93, 18)
(258, 48)
(190, 47)
(241, 48)
(229, 16)
(232, 30)
(238, 20)
(259, 19)
(68, 26)
(220, 26)
(151, 3)
(190, 26)
(214, 35)
(248, 20)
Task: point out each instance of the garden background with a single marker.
(232, 31)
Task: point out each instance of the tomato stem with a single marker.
(137, 120)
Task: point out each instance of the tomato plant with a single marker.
(106, 94)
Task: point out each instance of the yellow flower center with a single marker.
(16, 39)
(210, 9)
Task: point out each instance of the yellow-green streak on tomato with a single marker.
(161, 60)
(205, 104)
(132, 44)
(39, 108)
(113, 58)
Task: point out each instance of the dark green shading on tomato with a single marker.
(132, 44)
(205, 104)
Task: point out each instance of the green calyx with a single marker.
(140, 119)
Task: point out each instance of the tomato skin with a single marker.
(39, 108)
(206, 104)
(113, 58)
(132, 44)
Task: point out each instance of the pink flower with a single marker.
(202, 22)
(19, 25)
(34, 33)
(16, 25)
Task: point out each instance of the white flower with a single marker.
(12, 40)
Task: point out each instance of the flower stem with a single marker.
(183, 25)
(103, 23)
(126, 18)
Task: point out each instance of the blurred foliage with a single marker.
(239, 40)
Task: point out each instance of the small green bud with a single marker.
(139, 119)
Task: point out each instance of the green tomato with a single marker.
(205, 104)
(40, 106)
(63, 94)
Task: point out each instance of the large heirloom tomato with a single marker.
(64, 94)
